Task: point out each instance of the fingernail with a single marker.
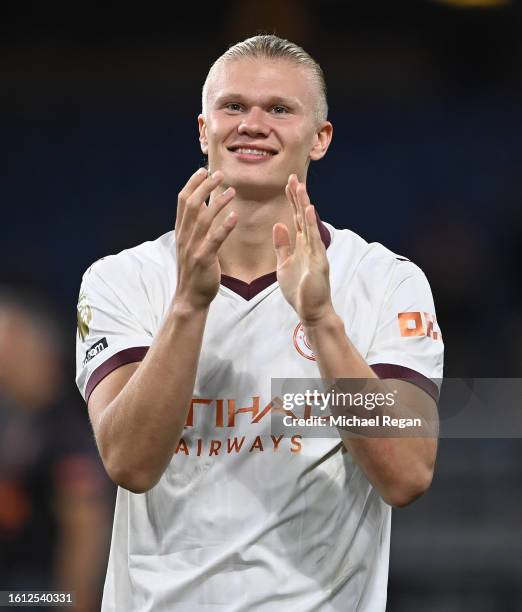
(202, 171)
(228, 191)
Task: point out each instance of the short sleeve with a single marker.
(110, 330)
(407, 343)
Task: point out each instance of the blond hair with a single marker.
(270, 46)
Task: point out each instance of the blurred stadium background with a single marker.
(98, 123)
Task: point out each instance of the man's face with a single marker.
(261, 125)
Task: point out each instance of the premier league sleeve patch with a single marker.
(83, 316)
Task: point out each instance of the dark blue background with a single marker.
(98, 124)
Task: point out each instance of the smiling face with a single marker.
(261, 124)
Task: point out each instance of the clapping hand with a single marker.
(303, 272)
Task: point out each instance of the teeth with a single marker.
(253, 152)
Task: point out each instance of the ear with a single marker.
(203, 142)
(322, 140)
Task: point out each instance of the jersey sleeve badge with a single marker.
(83, 316)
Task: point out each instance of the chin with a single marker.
(256, 190)
(255, 182)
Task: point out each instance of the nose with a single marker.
(253, 123)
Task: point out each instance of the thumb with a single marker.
(281, 240)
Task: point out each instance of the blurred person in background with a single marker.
(53, 494)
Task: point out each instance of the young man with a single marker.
(179, 340)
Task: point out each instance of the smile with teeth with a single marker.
(247, 151)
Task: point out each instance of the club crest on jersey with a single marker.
(301, 343)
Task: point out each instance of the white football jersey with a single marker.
(243, 520)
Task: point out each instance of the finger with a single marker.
(293, 199)
(303, 201)
(290, 198)
(203, 191)
(281, 241)
(207, 216)
(216, 238)
(293, 190)
(314, 235)
(194, 181)
(219, 202)
(196, 201)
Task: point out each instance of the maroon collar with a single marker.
(249, 290)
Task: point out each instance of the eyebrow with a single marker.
(267, 101)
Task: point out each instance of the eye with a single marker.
(279, 110)
(235, 107)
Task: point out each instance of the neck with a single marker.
(248, 252)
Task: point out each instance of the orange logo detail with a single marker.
(301, 343)
(419, 324)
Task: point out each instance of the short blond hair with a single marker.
(270, 46)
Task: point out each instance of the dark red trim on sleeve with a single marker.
(130, 355)
(390, 370)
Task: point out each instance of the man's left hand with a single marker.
(303, 273)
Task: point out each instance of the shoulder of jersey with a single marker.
(371, 257)
(151, 256)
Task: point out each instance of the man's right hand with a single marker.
(197, 245)
(139, 410)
